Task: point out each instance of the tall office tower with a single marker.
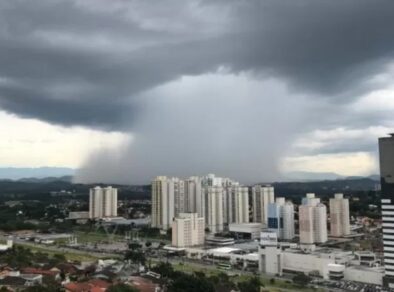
(261, 197)
(339, 216)
(386, 159)
(281, 218)
(103, 202)
(163, 202)
(188, 230)
(312, 220)
(275, 224)
(214, 208)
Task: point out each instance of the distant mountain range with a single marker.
(16, 173)
(51, 174)
(304, 176)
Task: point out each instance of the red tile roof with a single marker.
(95, 285)
(99, 283)
(30, 270)
(143, 285)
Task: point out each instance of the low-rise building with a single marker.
(219, 241)
(370, 275)
(246, 230)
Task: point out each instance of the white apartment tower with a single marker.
(194, 199)
(188, 230)
(236, 204)
(103, 202)
(312, 220)
(163, 202)
(220, 201)
(241, 205)
(339, 216)
(262, 196)
(281, 218)
(214, 208)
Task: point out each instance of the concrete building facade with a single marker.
(163, 202)
(262, 196)
(386, 161)
(214, 208)
(188, 230)
(312, 221)
(103, 202)
(339, 216)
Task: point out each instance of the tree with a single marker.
(164, 269)
(301, 279)
(41, 288)
(272, 281)
(135, 256)
(251, 285)
(222, 282)
(148, 244)
(191, 283)
(122, 288)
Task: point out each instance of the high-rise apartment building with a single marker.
(241, 205)
(194, 196)
(188, 229)
(312, 220)
(281, 218)
(103, 202)
(339, 216)
(262, 196)
(163, 202)
(220, 201)
(214, 208)
(386, 159)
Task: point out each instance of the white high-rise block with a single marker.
(103, 202)
(287, 213)
(188, 230)
(339, 216)
(194, 196)
(320, 223)
(305, 214)
(262, 196)
(163, 201)
(214, 208)
(312, 220)
(242, 205)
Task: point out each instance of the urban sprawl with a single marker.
(203, 227)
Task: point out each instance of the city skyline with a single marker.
(214, 89)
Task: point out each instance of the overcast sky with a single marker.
(131, 89)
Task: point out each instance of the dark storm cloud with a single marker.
(118, 65)
(104, 55)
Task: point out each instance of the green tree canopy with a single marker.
(122, 288)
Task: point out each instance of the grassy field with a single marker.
(96, 237)
(69, 255)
